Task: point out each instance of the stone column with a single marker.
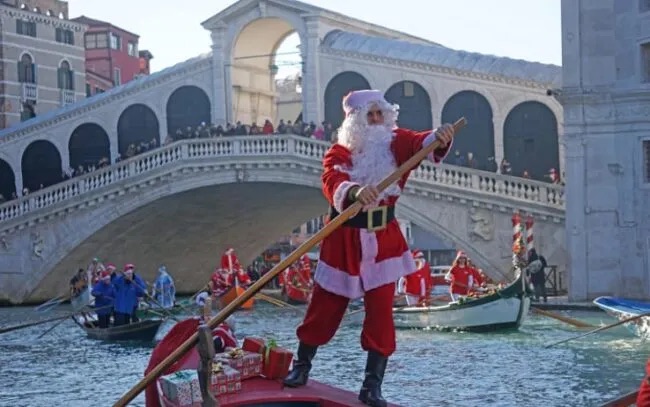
(576, 236)
(497, 122)
(221, 83)
(312, 97)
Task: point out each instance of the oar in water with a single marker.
(44, 321)
(331, 226)
(51, 304)
(602, 328)
(566, 320)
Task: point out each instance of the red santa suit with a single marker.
(643, 397)
(220, 281)
(230, 262)
(418, 284)
(224, 337)
(356, 261)
(460, 276)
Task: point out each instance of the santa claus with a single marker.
(368, 254)
(230, 262)
(418, 285)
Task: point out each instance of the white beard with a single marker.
(372, 157)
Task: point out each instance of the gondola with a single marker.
(141, 331)
(295, 295)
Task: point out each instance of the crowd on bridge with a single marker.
(324, 131)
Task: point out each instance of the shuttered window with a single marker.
(646, 161)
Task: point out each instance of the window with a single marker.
(97, 40)
(64, 36)
(88, 90)
(133, 49)
(646, 161)
(98, 90)
(65, 76)
(26, 28)
(117, 77)
(26, 69)
(409, 89)
(116, 42)
(645, 62)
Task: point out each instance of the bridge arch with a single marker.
(339, 86)
(88, 144)
(41, 165)
(530, 140)
(414, 105)
(478, 137)
(7, 180)
(137, 124)
(197, 203)
(255, 63)
(187, 106)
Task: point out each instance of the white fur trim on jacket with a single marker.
(341, 194)
(436, 158)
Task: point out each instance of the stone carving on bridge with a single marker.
(242, 175)
(38, 245)
(4, 244)
(481, 224)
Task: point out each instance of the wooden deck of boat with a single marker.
(268, 391)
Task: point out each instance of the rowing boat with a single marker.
(142, 331)
(621, 308)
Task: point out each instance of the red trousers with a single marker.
(326, 310)
(643, 398)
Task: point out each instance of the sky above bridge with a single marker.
(529, 29)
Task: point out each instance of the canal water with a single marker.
(64, 368)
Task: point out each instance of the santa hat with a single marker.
(129, 268)
(105, 275)
(417, 254)
(230, 250)
(552, 171)
(358, 99)
(110, 267)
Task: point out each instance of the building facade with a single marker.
(42, 58)
(112, 56)
(606, 101)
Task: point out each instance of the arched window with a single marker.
(66, 76)
(26, 69)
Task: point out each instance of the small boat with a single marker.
(621, 308)
(142, 331)
(504, 309)
(260, 391)
(232, 294)
(295, 295)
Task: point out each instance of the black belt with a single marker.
(373, 219)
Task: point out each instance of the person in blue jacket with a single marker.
(127, 294)
(140, 283)
(104, 294)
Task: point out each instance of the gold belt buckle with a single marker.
(371, 215)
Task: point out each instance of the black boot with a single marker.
(301, 366)
(370, 393)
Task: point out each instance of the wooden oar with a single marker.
(351, 211)
(566, 320)
(50, 329)
(44, 321)
(602, 328)
(54, 302)
(277, 302)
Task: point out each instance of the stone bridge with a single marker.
(184, 203)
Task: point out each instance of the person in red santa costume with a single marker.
(219, 282)
(419, 284)
(460, 276)
(236, 272)
(368, 254)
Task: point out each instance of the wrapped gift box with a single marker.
(249, 364)
(276, 363)
(182, 388)
(254, 345)
(225, 379)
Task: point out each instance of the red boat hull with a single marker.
(295, 295)
(260, 390)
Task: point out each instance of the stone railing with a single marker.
(278, 146)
